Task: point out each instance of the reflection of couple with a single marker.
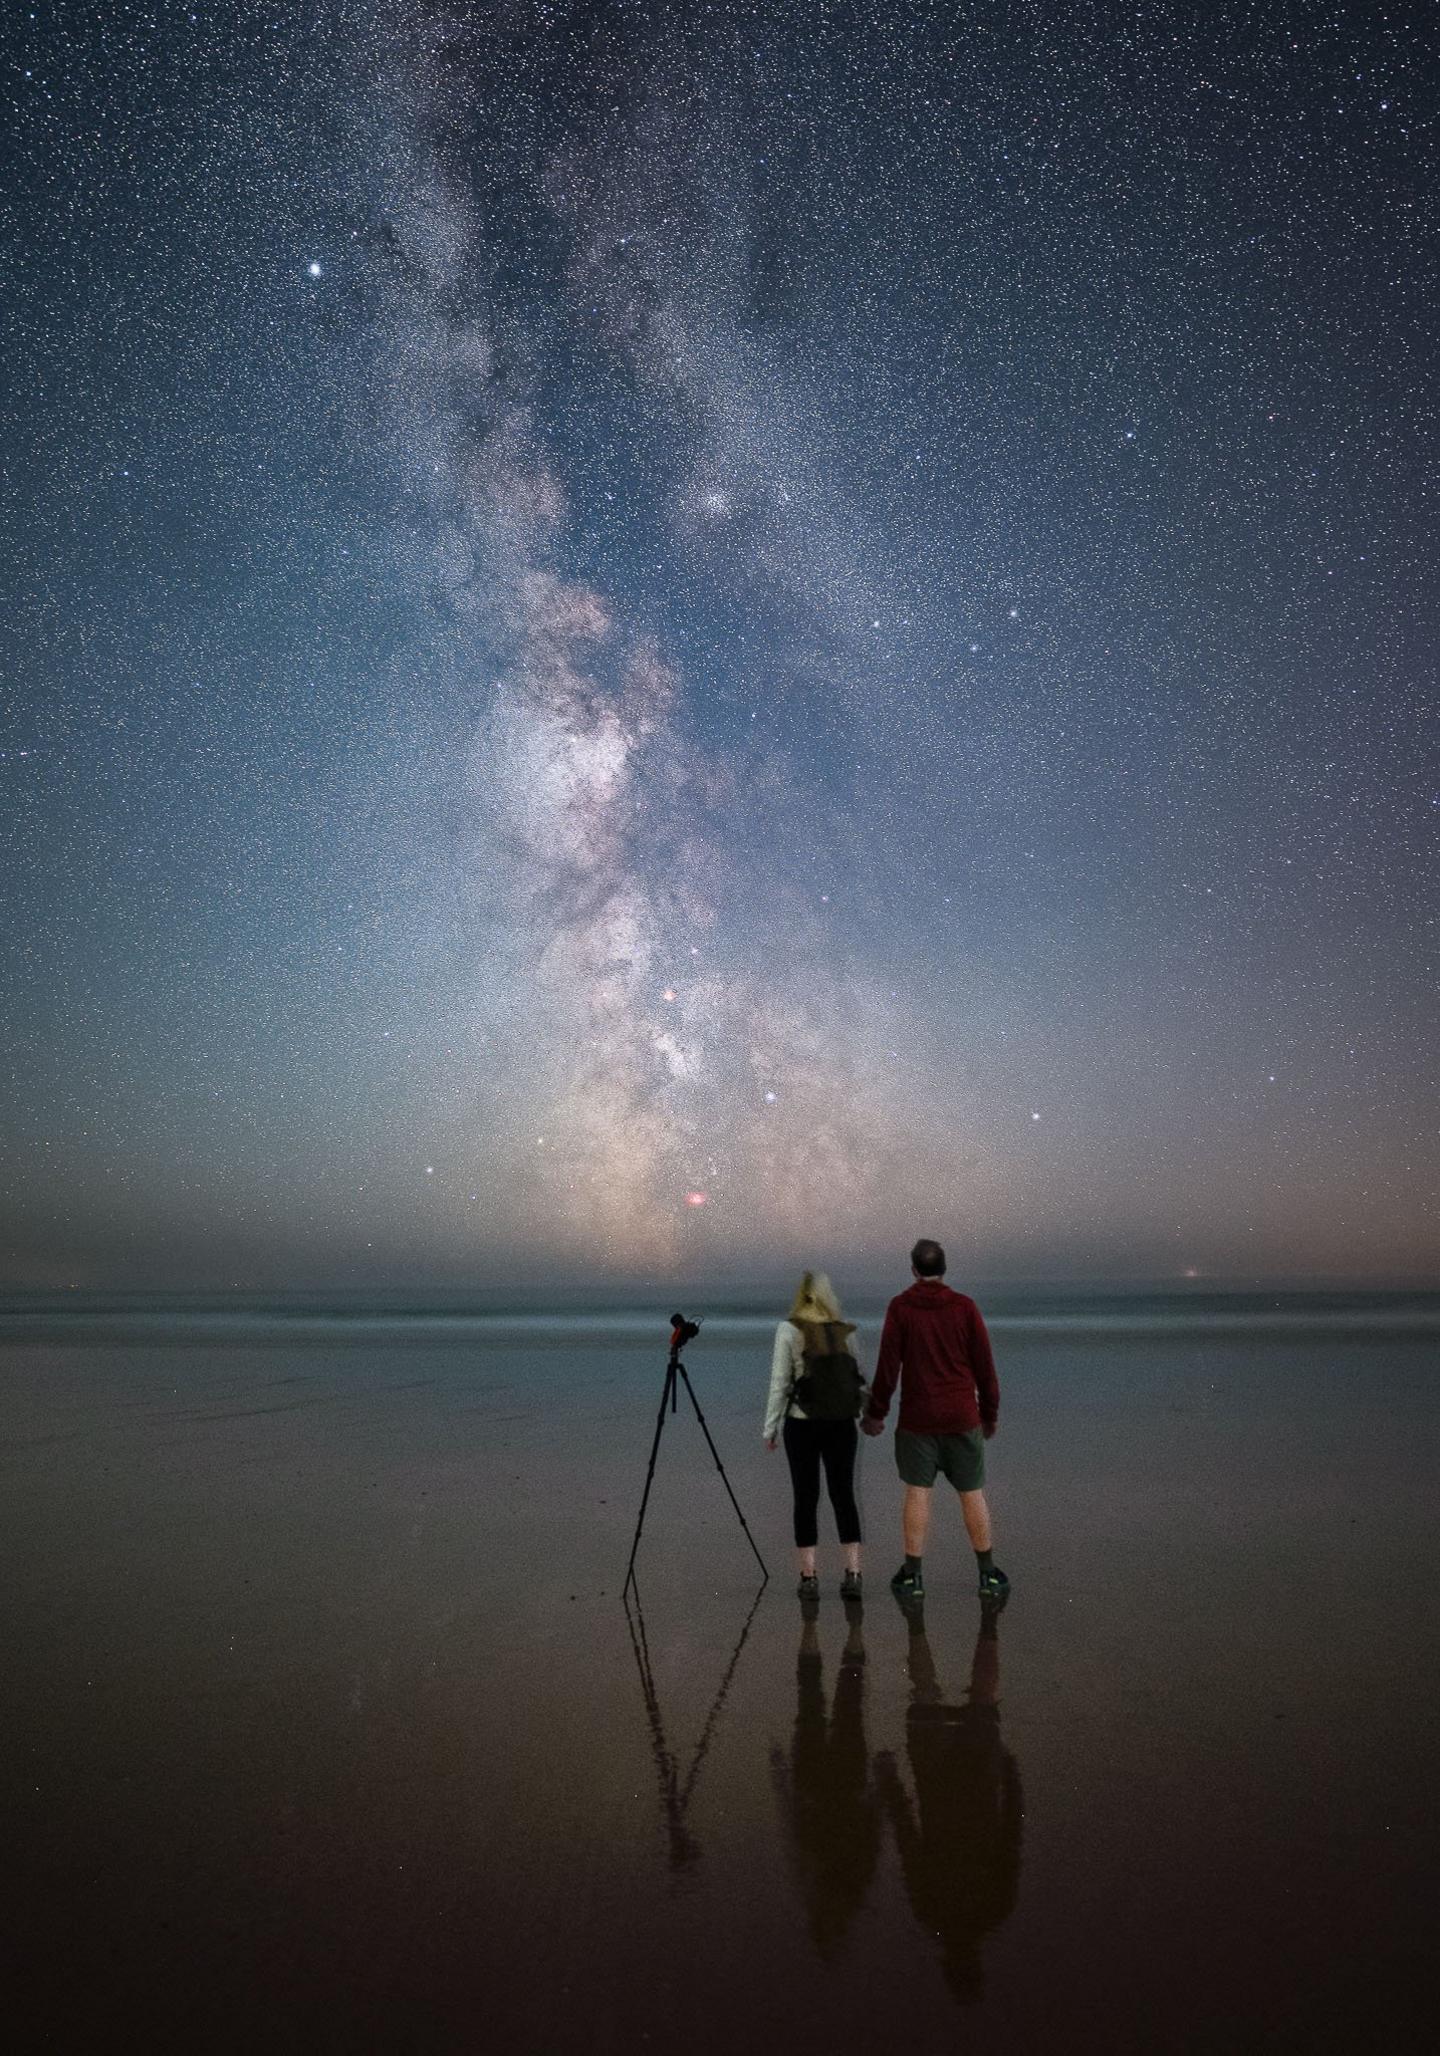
(935, 1346)
(825, 1790)
(958, 1837)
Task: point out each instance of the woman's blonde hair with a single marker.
(816, 1299)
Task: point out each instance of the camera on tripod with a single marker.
(681, 1332)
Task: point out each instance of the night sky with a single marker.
(655, 642)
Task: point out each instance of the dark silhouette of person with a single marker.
(825, 1790)
(959, 1841)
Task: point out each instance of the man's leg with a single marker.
(916, 1517)
(915, 1461)
(977, 1519)
(993, 1582)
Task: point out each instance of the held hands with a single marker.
(870, 1426)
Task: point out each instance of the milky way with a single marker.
(678, 646)
(644, 1056)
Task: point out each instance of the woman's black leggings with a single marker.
(808, 1444)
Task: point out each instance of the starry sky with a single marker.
(654, 643)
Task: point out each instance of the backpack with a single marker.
(829, 1387)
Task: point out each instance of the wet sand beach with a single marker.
(324, 1726)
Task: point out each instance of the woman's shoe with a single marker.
(808, 1588)
(850, 1585)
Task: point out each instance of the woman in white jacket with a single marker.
(817, 1391)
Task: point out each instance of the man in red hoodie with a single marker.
(934, 1342)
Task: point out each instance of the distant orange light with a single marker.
(697, 1199)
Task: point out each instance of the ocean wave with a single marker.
(180, 1319)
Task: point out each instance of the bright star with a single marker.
(314, 269)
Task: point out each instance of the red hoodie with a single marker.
(937, 1339)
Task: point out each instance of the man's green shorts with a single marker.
(960, 1457)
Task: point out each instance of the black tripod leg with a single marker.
(721, 1469)
(667, 1394)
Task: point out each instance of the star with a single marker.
(314, 270)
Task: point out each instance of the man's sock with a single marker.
(985, 1559)
(912, 1564)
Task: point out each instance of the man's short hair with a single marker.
(928, 1258)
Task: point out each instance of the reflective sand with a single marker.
(324, 1726)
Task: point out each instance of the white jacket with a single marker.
(786, 1363)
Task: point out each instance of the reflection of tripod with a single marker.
(675, 1793)
(681, 1332)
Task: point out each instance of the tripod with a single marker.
(681, 1332)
